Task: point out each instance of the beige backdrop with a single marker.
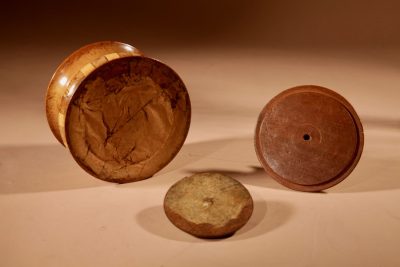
(234, 57)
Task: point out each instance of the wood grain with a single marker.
(309, 138)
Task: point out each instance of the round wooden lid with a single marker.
(208, 205)
(127, 119)
(309, 138)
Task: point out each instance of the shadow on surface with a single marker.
(189, 154)
(266, 217)
(256, 176)
(234, 157)
(193, 152)
(376, 122)
(40, 168)
(371, 174)
(379, 166)
(378, 169)
(154, 221)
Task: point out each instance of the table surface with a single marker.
(55, 214)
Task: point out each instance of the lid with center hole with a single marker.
(309, 138)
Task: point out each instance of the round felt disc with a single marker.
(208, 205)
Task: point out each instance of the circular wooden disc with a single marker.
(208, 205)
(128, 119)
(309, 138)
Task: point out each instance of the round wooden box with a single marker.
(123, 116)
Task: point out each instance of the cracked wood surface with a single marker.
(128, 119)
